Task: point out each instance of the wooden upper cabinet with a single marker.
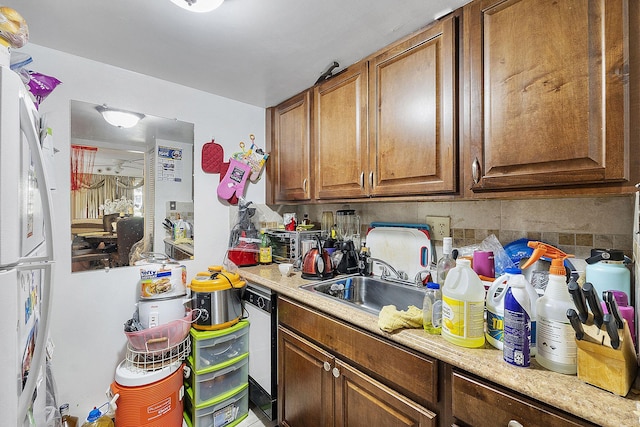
(291, 149)
(546, 83)
(340, 122)
(412, 114)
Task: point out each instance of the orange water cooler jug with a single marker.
(149, 398)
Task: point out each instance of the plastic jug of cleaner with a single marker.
(606, 271)
(557, 349)
(517, 322)
(495, 309)
(463, 306)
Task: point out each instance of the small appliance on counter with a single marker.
(217, 295)
(287, 246)
(244, 241)
(345, 259)
(317, 264)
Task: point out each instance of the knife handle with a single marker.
(594, 303)
(612, 330)
(612, 307)
(579, 301)
(576, 323)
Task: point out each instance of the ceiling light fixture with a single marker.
(119, 118)
(198, 5)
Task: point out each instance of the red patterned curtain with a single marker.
(82, 158)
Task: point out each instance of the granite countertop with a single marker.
(565, 392)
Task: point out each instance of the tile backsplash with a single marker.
(575, 225)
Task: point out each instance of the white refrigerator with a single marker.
(26, 257)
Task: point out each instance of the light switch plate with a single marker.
(440, 226)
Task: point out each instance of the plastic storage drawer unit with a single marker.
(226, 411)
(212, 383)
(211, 348)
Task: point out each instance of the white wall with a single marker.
(170, 190)
(89, 308)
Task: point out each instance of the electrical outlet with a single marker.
(440, 226)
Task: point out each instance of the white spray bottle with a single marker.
(557, 349)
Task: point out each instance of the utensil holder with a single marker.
(602, 366)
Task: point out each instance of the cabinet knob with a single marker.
(304, 185)
(475, 171)
(371, 179)
(327, 366)
(362, 179)
(336, 372)
(514, 423)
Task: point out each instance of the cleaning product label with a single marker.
(495, 328)
(556, 341)
(464, 319)
(517, 331)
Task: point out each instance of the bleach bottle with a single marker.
(517, 322)
(463, 306)
(495, 308)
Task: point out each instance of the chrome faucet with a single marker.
(386, 267)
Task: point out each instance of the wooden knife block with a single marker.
(602, 366)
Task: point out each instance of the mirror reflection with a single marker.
(131, 187)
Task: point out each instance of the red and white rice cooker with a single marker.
(149, 398)
(218, 296)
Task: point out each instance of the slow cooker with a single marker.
(218, 295)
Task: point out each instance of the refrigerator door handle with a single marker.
(29, 128)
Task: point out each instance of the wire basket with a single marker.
(161, 338)
(137, 361)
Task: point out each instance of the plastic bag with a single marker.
(41, 85)
(13, 28)
(501, 259)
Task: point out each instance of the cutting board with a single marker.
(406, 249)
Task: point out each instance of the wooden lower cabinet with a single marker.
(316, 389)
(478, 403)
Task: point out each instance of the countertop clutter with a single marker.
(564, 392)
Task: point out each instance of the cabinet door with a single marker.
(305, 383)
(412, 88)
(546, 83)
(361, 401)
(291, 149)
(341, 134)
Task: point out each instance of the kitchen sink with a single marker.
(369, 294)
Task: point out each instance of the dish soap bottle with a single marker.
(557, 349)
(445, 263)
(517, 322)
(266, 255)
(432, 309)
(463, 306)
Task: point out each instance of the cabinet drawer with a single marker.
(478, 403)
(414, 375)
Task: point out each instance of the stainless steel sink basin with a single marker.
(368, 293)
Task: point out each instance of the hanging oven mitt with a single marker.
(234, 180)
(212, 157)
